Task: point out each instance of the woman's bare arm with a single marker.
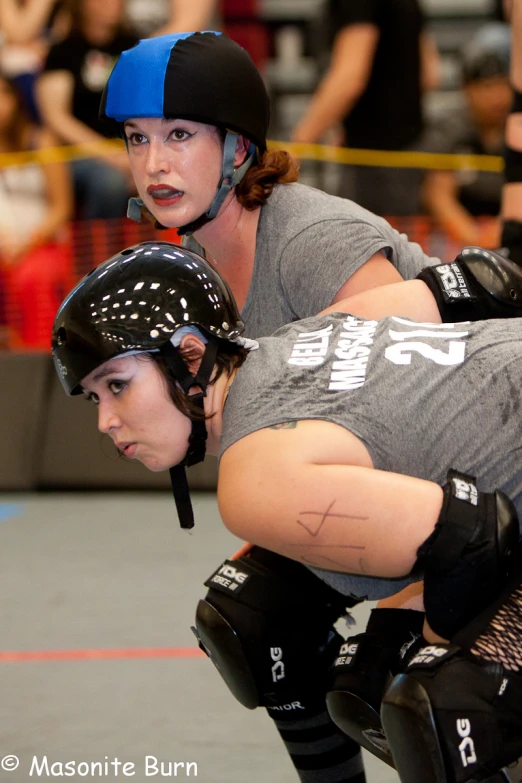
(24, 23)
(309, 492)
(410, 298)
(186, 15)
(59, 192)
(346, 79)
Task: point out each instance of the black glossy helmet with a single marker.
(200, 76)
(134, 303)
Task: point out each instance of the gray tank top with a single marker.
(423, 398)
(308, 245)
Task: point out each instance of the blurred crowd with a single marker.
(55, 58)
(56, 55)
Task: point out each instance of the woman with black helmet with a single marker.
(154, 338)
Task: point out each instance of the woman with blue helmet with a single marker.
(194, 112)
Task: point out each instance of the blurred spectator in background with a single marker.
(503, 10)
(382, 61)
(35, 205)
(159, 17)
(456, 198)
(69, 92)
(27, 28)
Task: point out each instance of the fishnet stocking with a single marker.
(501, 641)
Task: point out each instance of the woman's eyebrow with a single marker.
(104, 372)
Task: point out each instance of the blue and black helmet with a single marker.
(203, 76)
(200, 76)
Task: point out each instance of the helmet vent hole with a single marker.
(61, 337)
(127, 251)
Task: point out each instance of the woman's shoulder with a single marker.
(307, 205)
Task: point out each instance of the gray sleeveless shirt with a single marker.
(423, 398)
(308, 245)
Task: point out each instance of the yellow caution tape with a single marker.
(60, 154)
(321, 152)
(417, 160)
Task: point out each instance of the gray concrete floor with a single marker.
(106, 571)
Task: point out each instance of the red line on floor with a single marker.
(18, 656)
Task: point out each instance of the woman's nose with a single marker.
(107, 419)
(157, 158)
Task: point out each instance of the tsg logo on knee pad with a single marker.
(228, 577)
(278, 669)
(346, 653)
(467, 746)
(429, 655)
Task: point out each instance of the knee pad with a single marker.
(362, 670)
(469, 556)
(452, 719)
(477, 285)
(266, 623)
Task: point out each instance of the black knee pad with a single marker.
(469, 557)
(477, 285)
(266, 623)
(363, 669)
(452, 719)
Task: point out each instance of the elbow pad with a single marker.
(469, 556)
(479, 284)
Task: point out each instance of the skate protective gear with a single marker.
(363, 669)
(200, 76)
(256, 625)
(478, 285)
(468, 558)
(134, 303)
(451, 718)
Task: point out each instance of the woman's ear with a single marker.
(192, 349)
(242, 147)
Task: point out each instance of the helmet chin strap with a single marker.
(230, 177)
(198, 435)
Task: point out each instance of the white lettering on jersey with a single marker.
(403, 348)
(311, 348)
(352, 351)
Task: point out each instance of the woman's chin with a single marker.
(155, 465)
(174, 216)
(170, 217)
